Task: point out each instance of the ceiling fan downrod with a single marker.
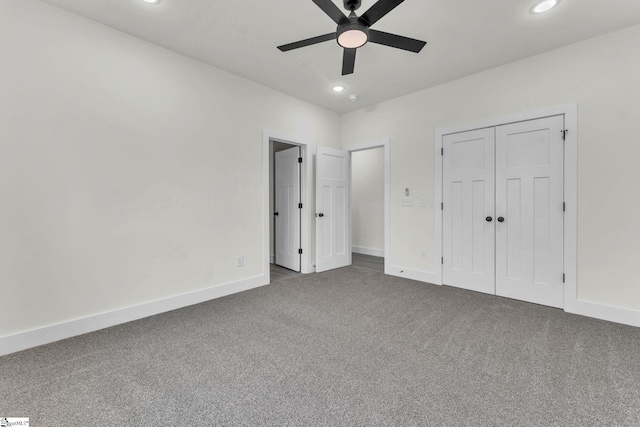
(352, 4)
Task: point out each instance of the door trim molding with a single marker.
(305, 182)
(570, 112)
(385, 143)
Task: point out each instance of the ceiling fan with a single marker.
(353, 31)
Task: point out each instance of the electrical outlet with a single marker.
(423, 202)
(240, 261)
(423, 253)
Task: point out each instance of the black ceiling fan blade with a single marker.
(307, 42)
(394, 40)
(348, 61)
(332, 11)
(378, 10)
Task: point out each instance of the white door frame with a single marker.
(570, 112)
(385, 144)
(306, 264)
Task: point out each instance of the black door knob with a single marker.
(489, 219)
(320, 215)
(276, 213)
(500, 219)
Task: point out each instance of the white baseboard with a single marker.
(48, 334)
(589, 309)
(367, 251)
(605, 312)
(419, 275)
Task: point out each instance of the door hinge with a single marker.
(299, 205)
(299, 159)
(563, 277)
(564, 133)
(564, 206)
(442, 260)
(441, 206)
(300, 251)
(442, 151)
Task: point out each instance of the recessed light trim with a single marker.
(151, 1)
(338, 88)
(544, 6)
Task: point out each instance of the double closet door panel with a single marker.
(529, 195)
(468, 240)
(512, 175)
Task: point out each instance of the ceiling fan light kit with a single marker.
(352, 35)
(354, 32)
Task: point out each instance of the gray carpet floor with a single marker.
(368, 261)
(346, 347)
(279, 273)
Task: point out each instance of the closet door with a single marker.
(529, 211)
(468, 210)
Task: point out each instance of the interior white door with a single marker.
(287, 214)
(468, 210)
(529, 207)
(333, 235)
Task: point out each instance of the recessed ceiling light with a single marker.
(151, 1)
(338, 88)
(544, 6)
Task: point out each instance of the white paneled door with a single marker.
(503, 216)
(333, 246)
(468, 204)
(287, 208)
(529, 207)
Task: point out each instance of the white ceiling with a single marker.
(464, 37)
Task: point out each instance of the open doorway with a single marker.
(368, 208)
(269, 140)
(334, 248)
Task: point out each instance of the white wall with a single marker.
(128, 173)
(367, 199)
(602, 76)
